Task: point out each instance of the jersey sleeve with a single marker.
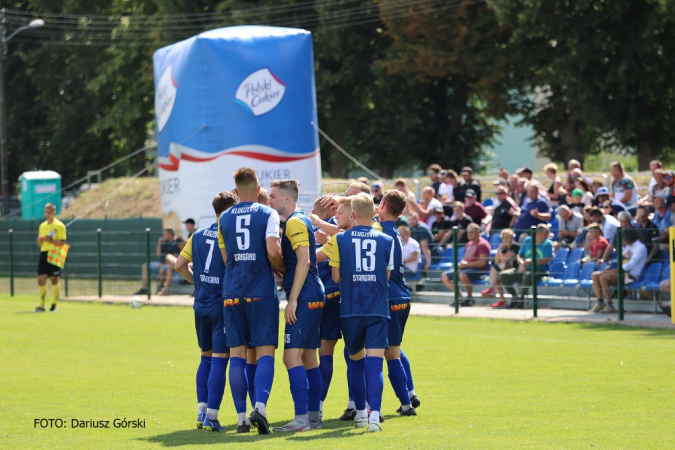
(297, 233)
(330, 249)
(272, 225)
(390, 264)
(377, 226)
(187, 250)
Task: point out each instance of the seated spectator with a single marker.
(649, 233)
(624, 189)
(602, 197)
(608, 223)
(441, 227)
(657, 186)
(376, 192)
(662, 214)
(556, 191)
(636, 253)
(597, 245)
(664, 287)
(166, 270)
(573, 171)
(166, 245)
(574, 201)
(460, 220)
(503, 173)
(363, 180)
(474, 264)
(504, 212)
(474, 209)
(421, 233)
(446, 193)
(402, 185)
(669, 178)
(514, 192)
(505, 258)
(411, 252)
(425, 208)
(523, 273)
(569, 224)
(468, 182)
(626, 220)
(587, 195)
(534, 212)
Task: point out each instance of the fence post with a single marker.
(147, 259)
(533, 235)
(455, 274)
(11, 262)
(619, 269)
(65, 279)
(100, 262)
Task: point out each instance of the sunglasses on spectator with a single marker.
(607, 206)
(438, 213)
(375, 190)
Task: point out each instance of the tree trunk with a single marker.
(646, 151)
(335, 163)
(571, 141)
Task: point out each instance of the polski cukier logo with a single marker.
(260, 92)
(165, 97)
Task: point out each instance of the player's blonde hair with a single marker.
(246, 180)
(50, 206)
(363, 187)
(345, 201)
(363, 206)
(287, 187)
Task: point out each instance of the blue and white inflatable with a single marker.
(234, 97)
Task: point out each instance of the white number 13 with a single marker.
(365, 261)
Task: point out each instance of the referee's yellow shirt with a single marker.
(56, 229)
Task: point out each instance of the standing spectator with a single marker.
(376, 192)
(597, 244)
(190, 227)
(569, 224)
(624, 188)
(636, 252)
(474, 264)
(505, 258)
(441, 226)
(503, 173)
(446, 193)
(411, 252)
(434, 172)
(523, 274)
(556, 191)
(505, 213)
(534, 212)
(474, 209)
(428, 203)
(461, 221)
(402, 185)
(421, 233)
(50, 232)
(467, 183)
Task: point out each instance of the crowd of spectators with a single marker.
(568, 210)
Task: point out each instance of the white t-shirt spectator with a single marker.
(446, 190)
(637, 254)
(609, 226)
(408, 249)
(434, 203)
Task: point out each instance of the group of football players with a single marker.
(342, 273)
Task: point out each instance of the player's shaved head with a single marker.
(358, 187)
(396, 202)
(363, 206)
(246, 180)
(223, 201)
(263, 196)
(287, 187)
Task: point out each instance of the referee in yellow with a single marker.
(51, 231)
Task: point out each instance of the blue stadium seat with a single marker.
(447, 261)
(650, 275)
(584, 274)
(561, 255)
(488, 202)
(576, 254)
(571, 275)
(495, 240)
(417, 276)
(555, 273)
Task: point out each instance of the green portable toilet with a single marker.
(37, 189)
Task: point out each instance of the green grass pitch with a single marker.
(483, 384)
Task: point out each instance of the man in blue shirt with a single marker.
(207, 274)
(362, 259)
(523, 274)
(533, 213)
(248, 236)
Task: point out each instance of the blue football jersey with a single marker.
(208, 267)
(245, 228)
(363, 255)
(298, 231)
(325, 271)
(398, 289)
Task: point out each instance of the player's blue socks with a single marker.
(375, 383)
(315, 388)
(216, 384)
(408, 373)
(250, 378)
(238, 383)
(297, 378)
(348, 361)
(264, 376)
(358, 383)
(326, 368)
(203, 379)
(398, 380)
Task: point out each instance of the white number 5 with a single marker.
(243, 241)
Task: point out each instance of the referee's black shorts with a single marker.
(44, 268)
